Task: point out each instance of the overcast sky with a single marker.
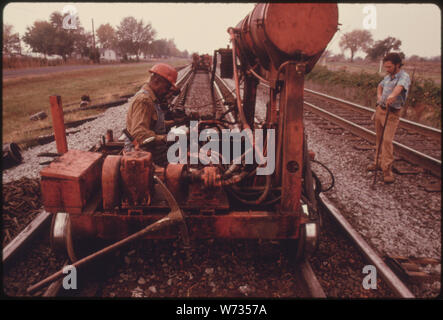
(203, 27)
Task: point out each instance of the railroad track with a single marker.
(414, 142)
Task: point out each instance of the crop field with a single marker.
(27, 95)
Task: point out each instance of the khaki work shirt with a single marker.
(141, 115)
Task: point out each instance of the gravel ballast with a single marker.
(401, 219)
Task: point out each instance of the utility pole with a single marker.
(93, 34)
(96, 57)
(19, 44)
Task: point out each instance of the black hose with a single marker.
(252, 202)
(319, 185)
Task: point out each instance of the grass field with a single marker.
(424, 70)
(358, 83)
(25, 96)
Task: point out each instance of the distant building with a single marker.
(41, 55)
(109, 55)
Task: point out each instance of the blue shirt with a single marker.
(401, 78)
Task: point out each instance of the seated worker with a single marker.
(145, 120)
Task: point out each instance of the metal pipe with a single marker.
(237, 84)
(266, 82)
(380, 146)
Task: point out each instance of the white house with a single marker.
(109, 54)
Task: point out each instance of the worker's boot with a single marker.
(372, 167)
(388, 176)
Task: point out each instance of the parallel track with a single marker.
(416, 143)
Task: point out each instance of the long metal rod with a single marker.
(166, 221)
(380, 146)
(388, 275)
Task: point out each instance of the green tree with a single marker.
(106, 36)
(383, 47)
(40, 37)
(11, 41)
(83, 43)
(185, 54)
(51, 38)
(134, 36)
(172, 49)
(158, 48)
(64, 39)
(355, 41)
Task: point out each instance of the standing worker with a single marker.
(145, 120)
(392, 92)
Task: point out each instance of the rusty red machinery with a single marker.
(95, 195)
(201, 62)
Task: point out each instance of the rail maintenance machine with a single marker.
(125, 197)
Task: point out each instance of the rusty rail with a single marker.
(387, 274)
(23, 237)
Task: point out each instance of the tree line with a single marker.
(361, 40)
(131, 37)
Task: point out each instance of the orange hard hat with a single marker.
(166, 71)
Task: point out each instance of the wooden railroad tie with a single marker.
(411, 268)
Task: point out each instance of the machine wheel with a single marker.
(307, 242)
(63, 242)
(61, 236)
(111, 182)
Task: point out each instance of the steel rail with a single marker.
(185, 74)
(310, 281)
(404, 123)
(18, 243)
(229, 115)
(414, 156)
(387, 274)
(182, 82)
